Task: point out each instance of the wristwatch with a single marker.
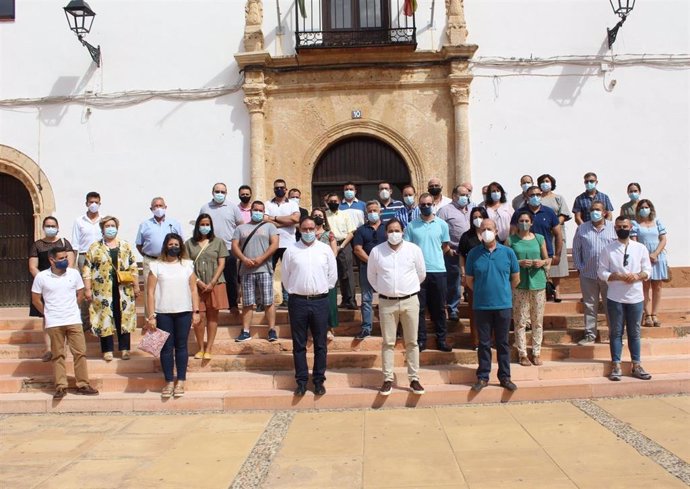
(196, 312)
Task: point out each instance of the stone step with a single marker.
(344, 397)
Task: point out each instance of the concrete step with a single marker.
(344, 397)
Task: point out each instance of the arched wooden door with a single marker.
(16, 236)
(365, 161)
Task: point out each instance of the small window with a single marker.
(6, 10)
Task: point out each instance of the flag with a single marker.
(410, 7)
(302, 9)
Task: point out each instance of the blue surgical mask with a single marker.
(110, 232)
(204, 230)
(525, 186)
(409, 200)
(257, 216)
(463, 200)
(590, 185)
(634, 196)
(426, 211)
(596, 216)
(495, 196)
(645, 211)
(349, 194)
(62, 264)
(219, 197)
(524, 226)
(535, 201)
(545, 186)
(309, 237)
(50, 231)
(373, 216)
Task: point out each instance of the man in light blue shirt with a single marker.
(431, 234)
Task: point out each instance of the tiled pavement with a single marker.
(609, 443)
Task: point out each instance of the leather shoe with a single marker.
(300, 390)
(422, 346)
(319, 389)
(445, 347)
(479, 385)
(60, 392)
(508, 384)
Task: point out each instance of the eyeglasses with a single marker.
(278, 188)
(426, 205)
(590, 181)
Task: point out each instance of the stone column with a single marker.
(456, 28)
(460, 95)
(255, 100)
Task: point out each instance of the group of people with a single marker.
(419, 255)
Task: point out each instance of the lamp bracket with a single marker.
(95, 52)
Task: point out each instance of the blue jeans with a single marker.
(178, 325)
(453, 278)
(367, 297)
(629, 315)
(497, 321)
(308, 315)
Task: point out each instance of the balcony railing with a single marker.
(353, 23)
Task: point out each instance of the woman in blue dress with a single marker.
(649, 231)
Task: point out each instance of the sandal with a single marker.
(179, 389)
(167, 391)
(655, 321)
(536, 360)
(524, 361)
(648, 320)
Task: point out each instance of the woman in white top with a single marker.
(498, 209)
(172, 293)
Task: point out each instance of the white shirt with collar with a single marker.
(85, 232)
(612, 260)
(396, 273)
(274, 209)
(309, 270)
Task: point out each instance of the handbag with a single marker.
(244, 246)
(125, 277)
(152, 342)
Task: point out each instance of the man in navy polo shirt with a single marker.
(431, 234)
(492, 271)
(544, 222)
(371, 234)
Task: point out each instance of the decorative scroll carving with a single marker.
(460, 94)
(255, 102)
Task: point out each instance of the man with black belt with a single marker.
(395, 269)
(343, 230)
(309, 271)
(151, 234)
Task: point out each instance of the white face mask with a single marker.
(488, 236)
(385, 194)
(477, 222)
(159, 212)
(294, 200)
(93, 207)
(395, 238)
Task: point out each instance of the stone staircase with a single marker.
(258, 374)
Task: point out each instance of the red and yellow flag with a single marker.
(410, 7)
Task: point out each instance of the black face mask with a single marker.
(435, 191)
(333, 206)
(280, 192)
(318, 220)
(245, 199)
(174, 251)
(623, 233)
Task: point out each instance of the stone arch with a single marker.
(27, 171)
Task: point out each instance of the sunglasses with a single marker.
(590, 181)
(426, 205)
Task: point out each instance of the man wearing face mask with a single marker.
(431, 234)
(584, 201)
(435, 188)
(409, 211)
(253, 244)
(309, 271)
(244, 193)
(624, 264)
(492, 272)
(226, 217)
(283, 214)
(521, 199)
(55, 293)
(389, 206)
(85, 232)
(544, 222)
(395, 269)
(343, 230)
(590, 240)
(352, 206)
(366, 238)
(152, 233)
(457, 216)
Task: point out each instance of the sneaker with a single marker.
(479, 385)
(362, 335)
(199, 355)
(244, 336)
(47, 356)
(508, 385)
(386, 388)
(125, 355)
(616, 372)
(587, 340)
(86, 390)
(60, 392)
(639, 373)
(453, 316)
(417, 388)
(272, 335)
(108, 356)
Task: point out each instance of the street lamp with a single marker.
(621, 8)
(80, 19)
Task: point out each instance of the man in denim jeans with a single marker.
(624, 265)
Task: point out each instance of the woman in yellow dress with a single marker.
(111, 285)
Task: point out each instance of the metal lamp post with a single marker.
(80, 18)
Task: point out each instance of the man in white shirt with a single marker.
(624, 265)
(395, 269)
(55, 293)
(85, 232)
(309, 271)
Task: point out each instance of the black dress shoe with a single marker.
(422, 346)
(319, 389)
(479, 385)
(300, 390)
(508, 384)
(445, 347)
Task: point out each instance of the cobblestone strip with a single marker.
(649, 448)
(255, 467)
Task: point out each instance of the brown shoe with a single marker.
(60, 392)
(524, 361)
(536, 360)
(86, 390)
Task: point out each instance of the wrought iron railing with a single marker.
(354, 23)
